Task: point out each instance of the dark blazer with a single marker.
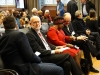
(72, 8)
(46, 56)
(37, 44)
(17, 54)
(70, 30)
(93, 25)
(79, 26)
(89, 5)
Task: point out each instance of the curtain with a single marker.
(31, 4)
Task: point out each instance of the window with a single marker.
(54, 1)
(7, 2)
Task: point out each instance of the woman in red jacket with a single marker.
(56, 36)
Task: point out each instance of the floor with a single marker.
(96, 64)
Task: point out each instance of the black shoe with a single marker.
(93, 70)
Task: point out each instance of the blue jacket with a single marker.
(61, 9)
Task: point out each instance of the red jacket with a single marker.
(57, 37)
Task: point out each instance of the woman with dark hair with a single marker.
(92, 21)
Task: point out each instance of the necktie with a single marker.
(68, 28)
(44, 41)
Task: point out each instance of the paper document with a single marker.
(65, 48)
(37, 53)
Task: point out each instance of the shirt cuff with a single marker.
(53, 52)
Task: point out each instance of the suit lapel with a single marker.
(38, 39)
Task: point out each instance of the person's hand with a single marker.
(69, 45)
(82, 37)
(57, 51)
(88, 32)
(72, 38)
(58, 12)
(59, 47)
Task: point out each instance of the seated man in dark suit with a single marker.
(50, 53)
(17, 54)
(82, 29)
(84, 44)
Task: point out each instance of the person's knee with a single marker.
(61, 71)
(67, 64)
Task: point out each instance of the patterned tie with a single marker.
(44, 41)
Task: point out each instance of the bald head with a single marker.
(67, 15)
(35, 23)
(67, 18)
(34, 17)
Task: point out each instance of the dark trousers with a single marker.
(65, 61)
(87, 48)
(95, 37)
(50, 69)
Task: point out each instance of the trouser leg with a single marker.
(87, 55)
(50, 69)
(74, 67)
(96, 39)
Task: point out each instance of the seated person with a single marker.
(81, 29)
(17, 54)
(48, 52)
(83, 44)
(92, 22)
(56, 36)
(40, 14)
(47, 16)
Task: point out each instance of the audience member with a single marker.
(80, 28)
(47, 16)
(49, 52)
(86, 6)
(92, 22)
(25, 19)
(84, 44)
(60, 8)
(40, 13)
(72, 8)
(17, 54)
(17, 18)
(56, 36)
(34, 12)
(27, 14)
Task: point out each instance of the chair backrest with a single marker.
(24, 30)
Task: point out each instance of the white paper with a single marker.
(65, 48)
(73, 33)
(37, 53)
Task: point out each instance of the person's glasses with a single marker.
(36, 22)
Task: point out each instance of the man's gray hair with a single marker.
(67, 13)
(77, 13)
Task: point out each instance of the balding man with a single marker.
(48, 52)
(83, 42)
